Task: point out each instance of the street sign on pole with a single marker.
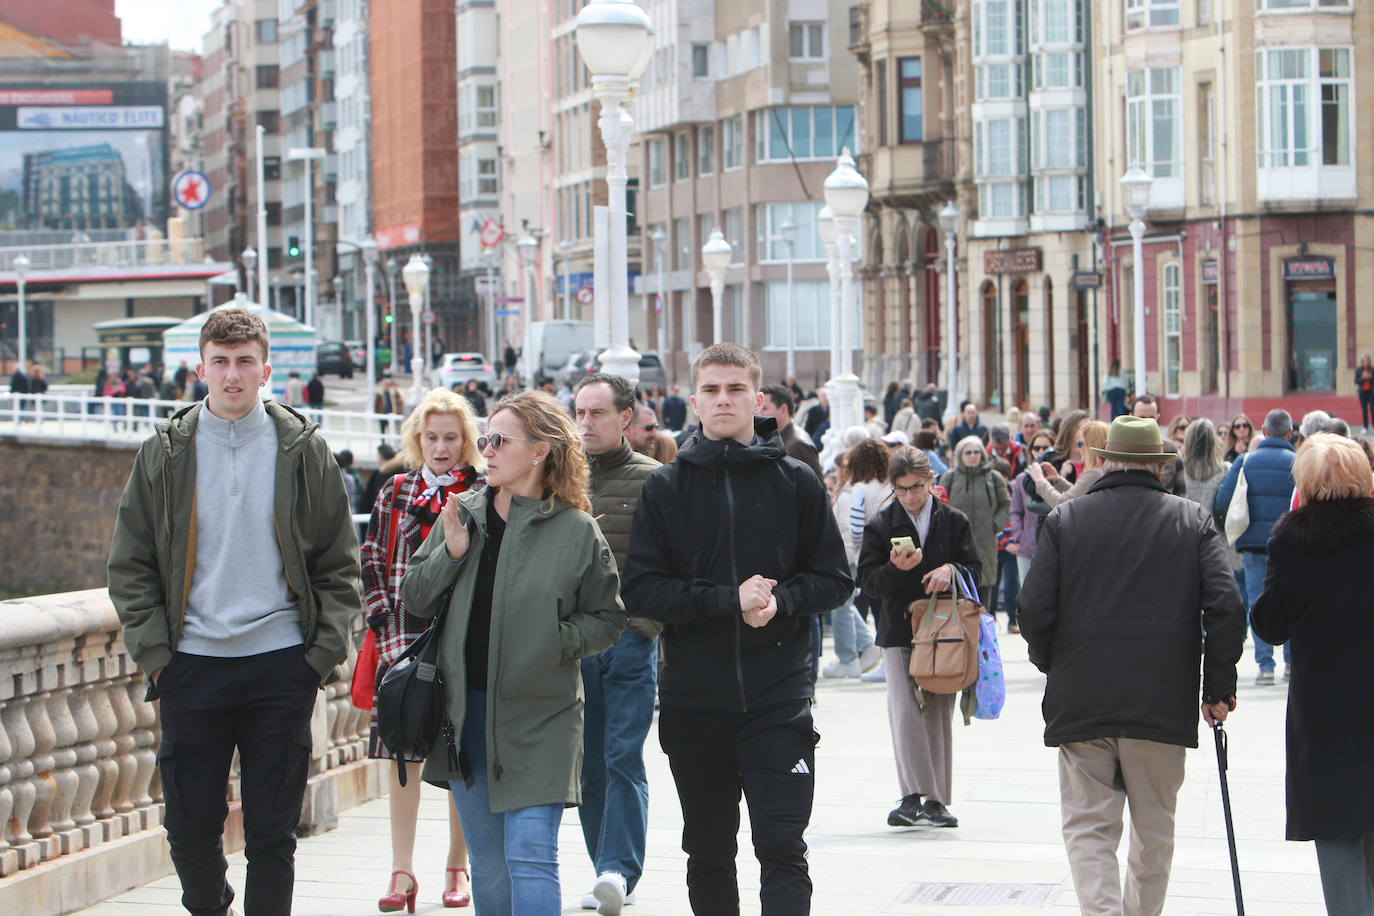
(427, 316)
(507, 313)
(584, 296)
(191, 190)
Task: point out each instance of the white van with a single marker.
(549, 345)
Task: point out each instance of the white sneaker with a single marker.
(870, 657)
(609, 891)
(589, 901)
(874, 676)
(838, 668)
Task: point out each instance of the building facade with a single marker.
(480, 106)
(351, 145)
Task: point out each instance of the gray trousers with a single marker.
(922, 742)
(1096, 780)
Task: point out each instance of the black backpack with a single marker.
(411, 706)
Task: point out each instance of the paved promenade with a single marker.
(1005, 795)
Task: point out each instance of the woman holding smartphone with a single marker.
(534, 591)
(906, 555)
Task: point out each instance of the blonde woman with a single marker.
(534, 590)
(1052, 486)
(439, 445)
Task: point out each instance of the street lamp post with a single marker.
(416, 275)
(787, 232)
(715, 254)
(825, 228)
(489, 262)
(1099, 239)
(613, 37)
(307, 154)
(846, 193)
(368, 246)
(1135, 192)
(528, 247)
(276, 286)
(391, 269)
(427, 329)
(564, 247)
(21, 271)
(949, 225)
(250, 260)
(338, 283)
(658, 237)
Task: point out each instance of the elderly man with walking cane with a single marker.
(1120, 646)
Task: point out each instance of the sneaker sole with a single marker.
(609, 898)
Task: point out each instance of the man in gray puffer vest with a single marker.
(621, 682)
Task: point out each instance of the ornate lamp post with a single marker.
(21, 272)
(1135, 193)
(658, 237)
(715, 254)
(369, 250)
(250, 261)
(613, 37)
(949, 225)
(825, 228)
(308, 154)
(787, 234)
(416, 276)
(391, 270)
(528, 247)
(846, 193)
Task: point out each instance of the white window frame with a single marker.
(658, 166)
(788, 118)
(488, 178)
(772, 249)
(1143, 110)
(998, 18)
(1303, 5)
(810, 37)
(732, 149)
(1313, 154)
(810, 305)
(682, 156)
(706, 150)
(733, 230)
(486, 114)
(701, 53)
(1171, 324)
(1153, 14)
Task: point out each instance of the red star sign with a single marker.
(191, 190)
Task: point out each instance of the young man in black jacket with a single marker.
(734, 547)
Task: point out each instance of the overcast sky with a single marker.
(180, 23)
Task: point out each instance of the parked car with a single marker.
(584, 363)
(359, 350)
(458, 368)
(333, 357)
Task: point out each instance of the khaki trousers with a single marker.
(922, 742)
(1096, 779)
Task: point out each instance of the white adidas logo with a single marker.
(801, 769)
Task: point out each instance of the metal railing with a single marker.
(84, 418)
(107, 255)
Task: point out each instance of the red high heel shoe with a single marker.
(395, 900)
(452, 896)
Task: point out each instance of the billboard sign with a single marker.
(83, 157)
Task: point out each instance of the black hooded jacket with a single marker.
(706, 522)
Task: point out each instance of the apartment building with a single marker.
(218, 95)
(480, 106)
(1245, 117)
(353, 187)
(412, 63)
(746, 106)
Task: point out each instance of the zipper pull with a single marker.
(496, 769)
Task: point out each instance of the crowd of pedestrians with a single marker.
(589, 554)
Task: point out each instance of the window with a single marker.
(1055, 140)
(997, 43)
(1141, 14)
(734, 233)
(269, 121)
(706, 224)
(271, 168)
(682, 243)
(1059, 193)
(1057, 70)
(819, 132)
(266, 77)
(486, 177)
(909, 98)
(265, 31)
(1206, 143)
(809, 310)
(1294, 127)
(880, 74)
(273, 213)
(701, 61)
(706, 149)
(486, 106)
(682, 156)
(1172, 287)
(1153, 130)
(1303, 4)
(734, 142)
(999, 150)
(806, 40)
(807, 242)
(658, 175)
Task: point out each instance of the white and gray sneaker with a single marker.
(877, 675)
(870, 656)
(610, 895)
(838, 668)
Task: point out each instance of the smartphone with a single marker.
(903, 544)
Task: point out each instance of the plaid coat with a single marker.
(385, 613)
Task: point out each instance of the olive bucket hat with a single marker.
(1134, 439)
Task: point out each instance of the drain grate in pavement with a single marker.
(946, 893)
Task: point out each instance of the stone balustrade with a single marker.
(78, 746)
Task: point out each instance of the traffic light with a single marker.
(386, 312)
(293, 246)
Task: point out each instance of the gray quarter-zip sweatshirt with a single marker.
(239, 602)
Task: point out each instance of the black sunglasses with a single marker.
(496, 440)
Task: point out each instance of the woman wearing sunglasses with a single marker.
(534, 590)
(1026, 513)
(439, 441)
(1238, 436)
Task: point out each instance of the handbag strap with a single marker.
(392, 522)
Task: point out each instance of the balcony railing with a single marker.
(935, 12)
(858, 27)
(107, 255)
(938, 159)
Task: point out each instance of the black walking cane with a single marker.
(1220, 734)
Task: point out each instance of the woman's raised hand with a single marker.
(455, 532)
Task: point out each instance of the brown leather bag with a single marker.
(944, 650)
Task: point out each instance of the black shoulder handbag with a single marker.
(412, 710)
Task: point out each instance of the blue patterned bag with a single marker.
(990, 689)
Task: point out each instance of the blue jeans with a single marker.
(514, 853)
(817, 634)
(1347, 869)
(620, 685)
(851, 634)
(1256, 565)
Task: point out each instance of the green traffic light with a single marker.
(387, 319)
